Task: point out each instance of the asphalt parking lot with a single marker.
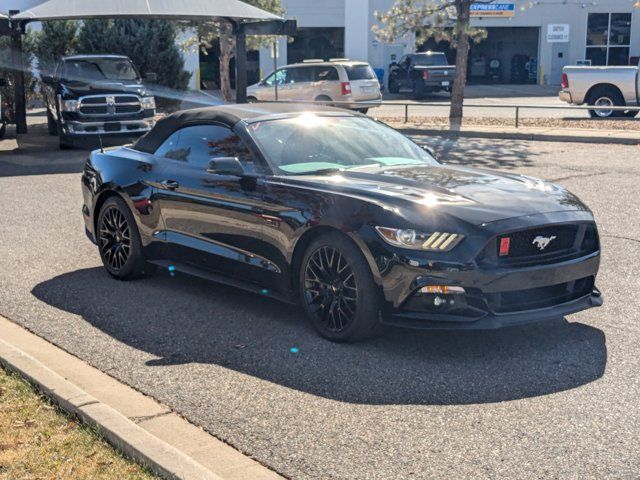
(554, 400)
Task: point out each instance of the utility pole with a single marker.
(18, 75)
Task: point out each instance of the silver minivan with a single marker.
(338, 80)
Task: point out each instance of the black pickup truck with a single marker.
(422, 73)
(90, 95)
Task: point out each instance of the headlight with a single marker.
(148, 103)
(69, 105)
(407, 238)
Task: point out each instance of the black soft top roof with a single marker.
(228, 115)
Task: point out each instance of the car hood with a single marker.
(472, 195)
(96, 88)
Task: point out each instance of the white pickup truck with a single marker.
(602, 87)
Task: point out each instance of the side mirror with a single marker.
(429, 150)
(47, 79)
(226, 166)
(3, 82)
(151, 77)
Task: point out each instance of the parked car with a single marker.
(343, 215)
(421, 73)
(602, 87)
(3, 118)
(338, 80)
(90, 95)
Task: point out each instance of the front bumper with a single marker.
(495, 298)
(111, 127)
(492, 321)
(495, 294)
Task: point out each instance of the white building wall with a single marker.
(356, 35)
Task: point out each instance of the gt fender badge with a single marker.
(543, 242)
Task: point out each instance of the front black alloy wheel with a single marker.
(338, 291)
(115, 238)
(330, 289)
(119, 241)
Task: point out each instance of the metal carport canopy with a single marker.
(240, 14)
(169, 9)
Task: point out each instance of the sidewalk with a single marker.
(544, 134)
(142, 428)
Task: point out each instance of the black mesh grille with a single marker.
(534, 242)
(127, 108)
(534, 298)
(539, 246)
(94, 101)
(127, 99)
(94, 110)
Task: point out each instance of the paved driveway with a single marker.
(557, 400)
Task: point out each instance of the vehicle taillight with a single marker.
(346, 88)
(425, 75)
(565, 81)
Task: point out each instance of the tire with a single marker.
(337, 290)
(393, 86)
(362, 110)
(66, 142)
(119, 242)
(419, 91)
(52, 125)
(252, 99)
(3, 129)
(631, 113)
(605, 96)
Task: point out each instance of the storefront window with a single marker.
(608, 38)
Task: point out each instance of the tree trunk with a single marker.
(463, 8)
(226, 52)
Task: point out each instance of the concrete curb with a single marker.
(121, 432)
(524, 135)
(138, 425)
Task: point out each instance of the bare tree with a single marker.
(441, 20)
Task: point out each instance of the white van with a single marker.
(338, 80)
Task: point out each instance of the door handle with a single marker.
(170, 184)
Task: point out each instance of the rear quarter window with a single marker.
(325, 74)
(360, 72)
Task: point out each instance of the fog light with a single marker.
(439, 301)
(442, 290)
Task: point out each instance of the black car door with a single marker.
(213, 221)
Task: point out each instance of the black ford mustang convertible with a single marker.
(342, 214)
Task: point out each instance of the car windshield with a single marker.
(310, 143)
(433, 60)
(100, 69)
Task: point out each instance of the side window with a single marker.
(279, 76)
(199, 144)
(170, 148)
(300, 75)
(326, 74)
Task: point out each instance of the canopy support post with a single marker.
(241, 68)
(18, 78)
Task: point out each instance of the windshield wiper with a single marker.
(320, 171)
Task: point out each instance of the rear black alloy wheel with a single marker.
(119, 241)
(337, 289)
(330, 289)
(115, 238)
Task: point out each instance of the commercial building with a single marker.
(532, 40)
